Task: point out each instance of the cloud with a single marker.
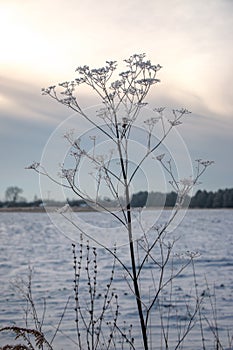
(42, 44)
(22, 100)
(192, 40)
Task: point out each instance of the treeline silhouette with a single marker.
(202, 199)
(219, 199)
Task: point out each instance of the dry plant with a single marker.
(33, 335)
(123, 107)
(26, 334)
(96, 306)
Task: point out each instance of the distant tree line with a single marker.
(13, 199)
(153, 199)
(219, 199)
(202, 199)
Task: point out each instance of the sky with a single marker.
(42, 43)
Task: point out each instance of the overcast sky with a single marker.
(42, 42)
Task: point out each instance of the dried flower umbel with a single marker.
(123, 99)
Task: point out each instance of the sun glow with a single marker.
(13, 41)
(23, 47)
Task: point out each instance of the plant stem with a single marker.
(130, 237)
(134, 272)
(137, 296)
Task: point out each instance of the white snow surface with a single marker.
(32, 239)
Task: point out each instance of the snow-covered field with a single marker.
(33, 240)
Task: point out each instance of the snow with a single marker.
(32, 239)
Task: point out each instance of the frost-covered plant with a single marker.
(98, 314)
(123, 105)
(32, 335)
